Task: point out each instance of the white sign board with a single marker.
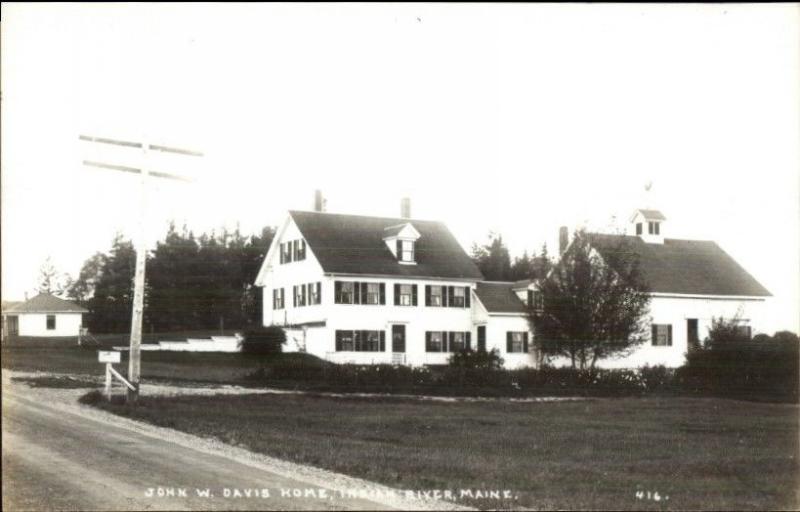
(108, 356)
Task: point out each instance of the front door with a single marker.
(398, 338)
(482, 338)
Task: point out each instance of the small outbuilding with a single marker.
(44, 315)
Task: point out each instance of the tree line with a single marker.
(193, 282)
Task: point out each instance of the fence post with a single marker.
(108, 381)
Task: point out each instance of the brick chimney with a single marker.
(563, 239)
(319, 201)
(405, 208)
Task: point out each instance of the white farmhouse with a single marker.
(44, 315)
(690, 281)
(360, 289)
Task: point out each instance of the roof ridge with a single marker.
(367, 216)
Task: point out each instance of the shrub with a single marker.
(765, 369)
(263, 340)
(477, 359)
(657, 378)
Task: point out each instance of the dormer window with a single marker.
(405, 250)
(401, 240)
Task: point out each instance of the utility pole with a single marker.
(144, 171)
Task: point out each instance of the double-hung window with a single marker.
(436, 296)
(346, 292)
(314, 290)
(661, 335)
(286, 253)
(277, 298)
(457, 341)
(435, 341)
(407, 250)
(457, 299)
(300, 295)
(516, 342)
(373, 294)
(405, 294)
(360, 341)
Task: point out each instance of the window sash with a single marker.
(458, 297)
(407, 250)
(406, 291)
(661, 334)
(348, 292)
(436, 295)
(51, 322)
(457, 341)
(373, 293)
(436, 342)
(358, 341)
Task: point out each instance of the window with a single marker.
(277, 298)
(661, 335)
(434, 341)
(653, 228)
(438, 296)
(457, 342)
(435, 296)
(535, 300)
(360, 341)
(286, 252)
(299, 250)
(300, 295)
(314, 292)
(457, 298)
(638, 228)
(658, 228)
(373, 295)
(443, 341)
(517, 342)
(345, 292)
(407, 250)
(345, 341)
(51, 322)
(349, 292)
(405, 295)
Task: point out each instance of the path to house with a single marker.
(58, 454)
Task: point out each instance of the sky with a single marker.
(510, 118)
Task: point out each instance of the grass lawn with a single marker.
(65, 356)
(695, 453)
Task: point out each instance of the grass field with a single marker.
(65, 356)
(597, 454)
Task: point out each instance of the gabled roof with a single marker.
(395, 231)
(499, 297)
(353, 244)
(649, 214)
(46, 303)
(690, 267)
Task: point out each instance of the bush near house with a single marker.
(263, 340)
(760, 368)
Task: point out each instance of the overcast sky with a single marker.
(512, 118)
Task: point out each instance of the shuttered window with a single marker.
(360, 341)
(517, 342)
(277, 298)
(405, 294)
(661, 335)
(314, 292)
